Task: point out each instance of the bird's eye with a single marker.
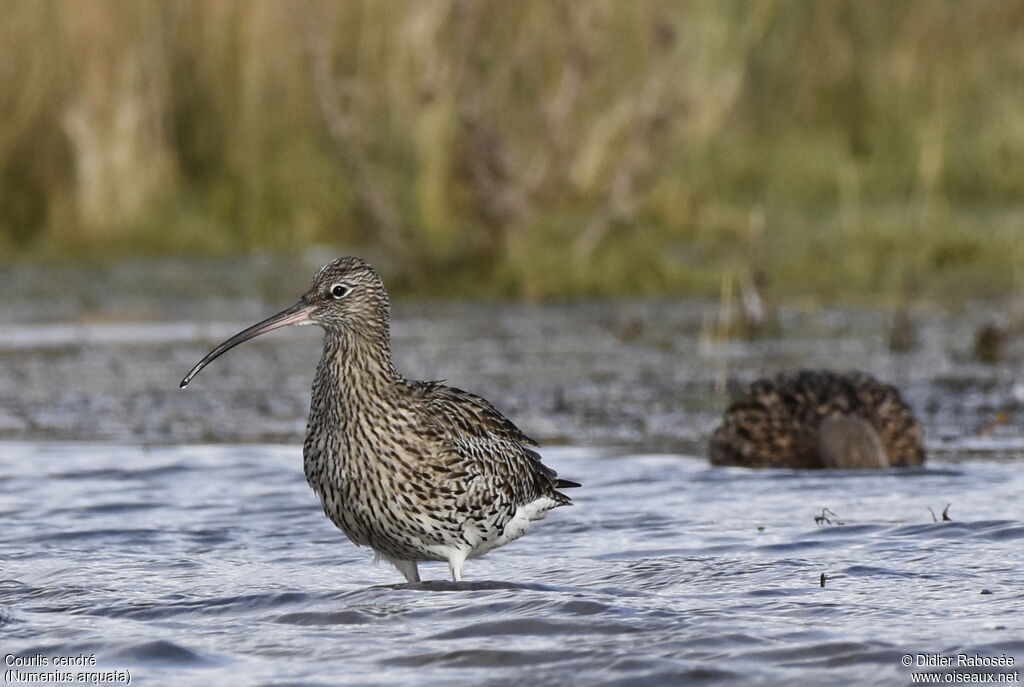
(339, 291)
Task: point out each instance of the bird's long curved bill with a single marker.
(297, 314)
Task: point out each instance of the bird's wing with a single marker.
(489, 444)
(469, 414)
(766, 427)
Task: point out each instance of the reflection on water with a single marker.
(212, 564)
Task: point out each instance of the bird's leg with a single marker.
(455, 565)
(409, 569)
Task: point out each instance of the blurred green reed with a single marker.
(542, 148)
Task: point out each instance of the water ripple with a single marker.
(213, 565)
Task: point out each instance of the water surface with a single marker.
(171, 534)
(212, 564)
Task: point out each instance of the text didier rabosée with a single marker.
(962, 660)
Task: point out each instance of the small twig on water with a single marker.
(823, 518)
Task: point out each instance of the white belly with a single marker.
(514, 528)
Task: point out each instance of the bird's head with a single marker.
(345, 297)
(346, 294)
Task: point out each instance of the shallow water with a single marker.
(212, 564)
(171, 534)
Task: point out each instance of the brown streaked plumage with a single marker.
(818, 419)
(417, 471)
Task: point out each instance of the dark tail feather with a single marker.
(551, 474)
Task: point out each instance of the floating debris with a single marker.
(1000, 418)
(823, 518)
(945, 514)
(988, 344)
(903, 335)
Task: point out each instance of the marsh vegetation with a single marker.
(539, 149)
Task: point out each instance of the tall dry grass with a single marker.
(540, 147)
